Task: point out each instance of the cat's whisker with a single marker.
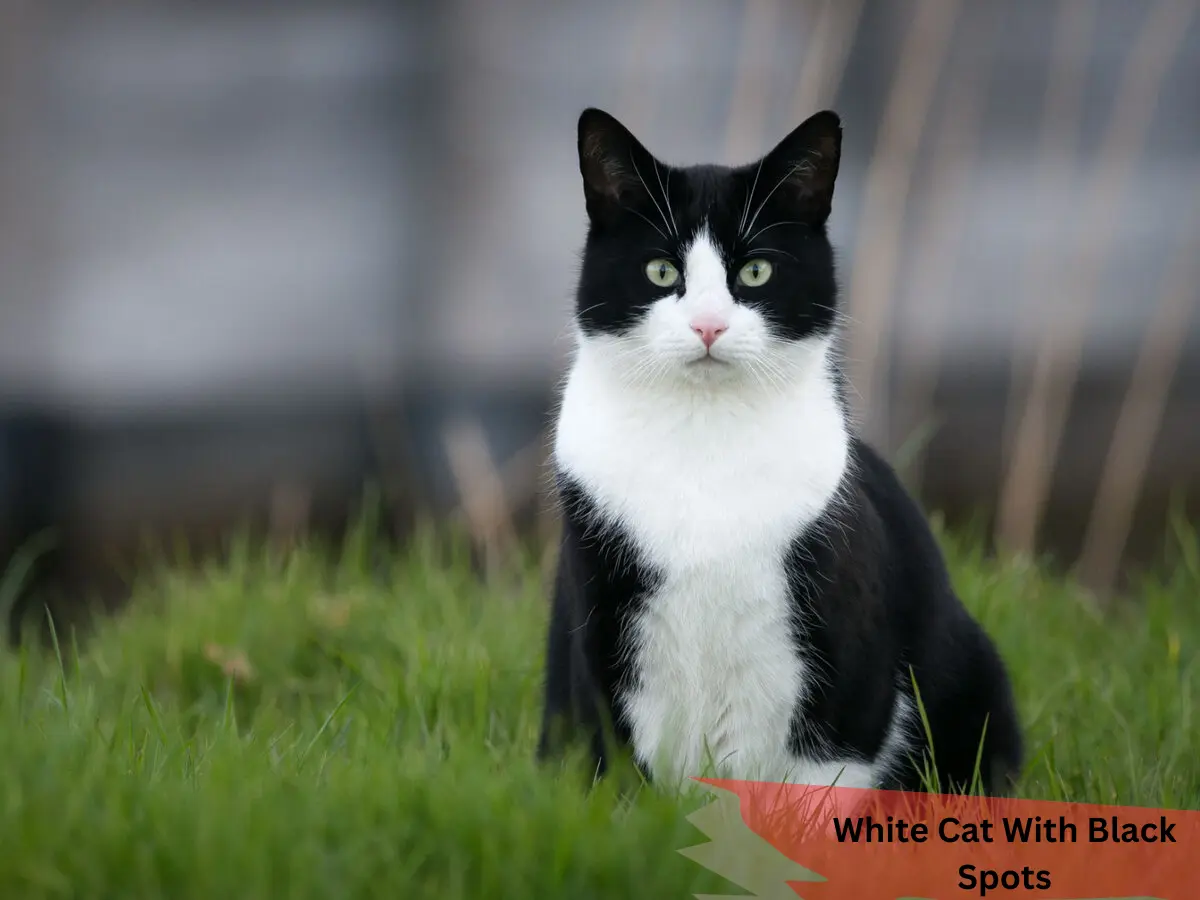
(594, 306)
(792, 171)
(666, 197)
(649, 193)
(750, 197)
(779, 376)
(754, 237)
(661, 233)
(756, 251)
(841, 318)
(766, 378)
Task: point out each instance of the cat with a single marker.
(744, 587)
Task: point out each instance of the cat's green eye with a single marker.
(662, 272)
(755, 273)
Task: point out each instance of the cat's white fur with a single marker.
(713, 468)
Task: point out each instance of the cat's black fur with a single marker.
(871, 596)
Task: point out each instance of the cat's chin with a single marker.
(710, 370)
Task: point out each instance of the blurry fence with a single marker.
(250, 255)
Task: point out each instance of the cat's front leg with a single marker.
(573, 709)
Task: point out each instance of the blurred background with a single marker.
(255, 255)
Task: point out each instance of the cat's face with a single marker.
(707, 273)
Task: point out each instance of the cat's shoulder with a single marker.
(878, 484)
(872, 508)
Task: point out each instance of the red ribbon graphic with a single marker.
(884, 845)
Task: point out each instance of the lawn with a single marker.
(357, 724)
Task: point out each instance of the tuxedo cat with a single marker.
(744, 587)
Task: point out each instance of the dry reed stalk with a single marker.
(522, 473)
(526, 477)
(751, 89)
(935, 250)
(1061, 114)
(396, 463)
(1141, 414)
(481, 492)
(885, 196)
(289, 513)
(825, 56)
(1039, 431)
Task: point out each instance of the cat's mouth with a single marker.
(707, 361)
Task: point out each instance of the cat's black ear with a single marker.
(613, 164)
(804, 167)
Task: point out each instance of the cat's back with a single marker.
(911, 547)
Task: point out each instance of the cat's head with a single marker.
(707, 273)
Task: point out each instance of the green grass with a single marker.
(316, 725)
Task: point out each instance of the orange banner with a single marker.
(855, 844)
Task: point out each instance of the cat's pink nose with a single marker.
(709, 328)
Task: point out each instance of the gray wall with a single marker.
(253, 251)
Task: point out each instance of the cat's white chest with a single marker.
(718, 673)
(713, 498)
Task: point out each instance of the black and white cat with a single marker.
(744, 586)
